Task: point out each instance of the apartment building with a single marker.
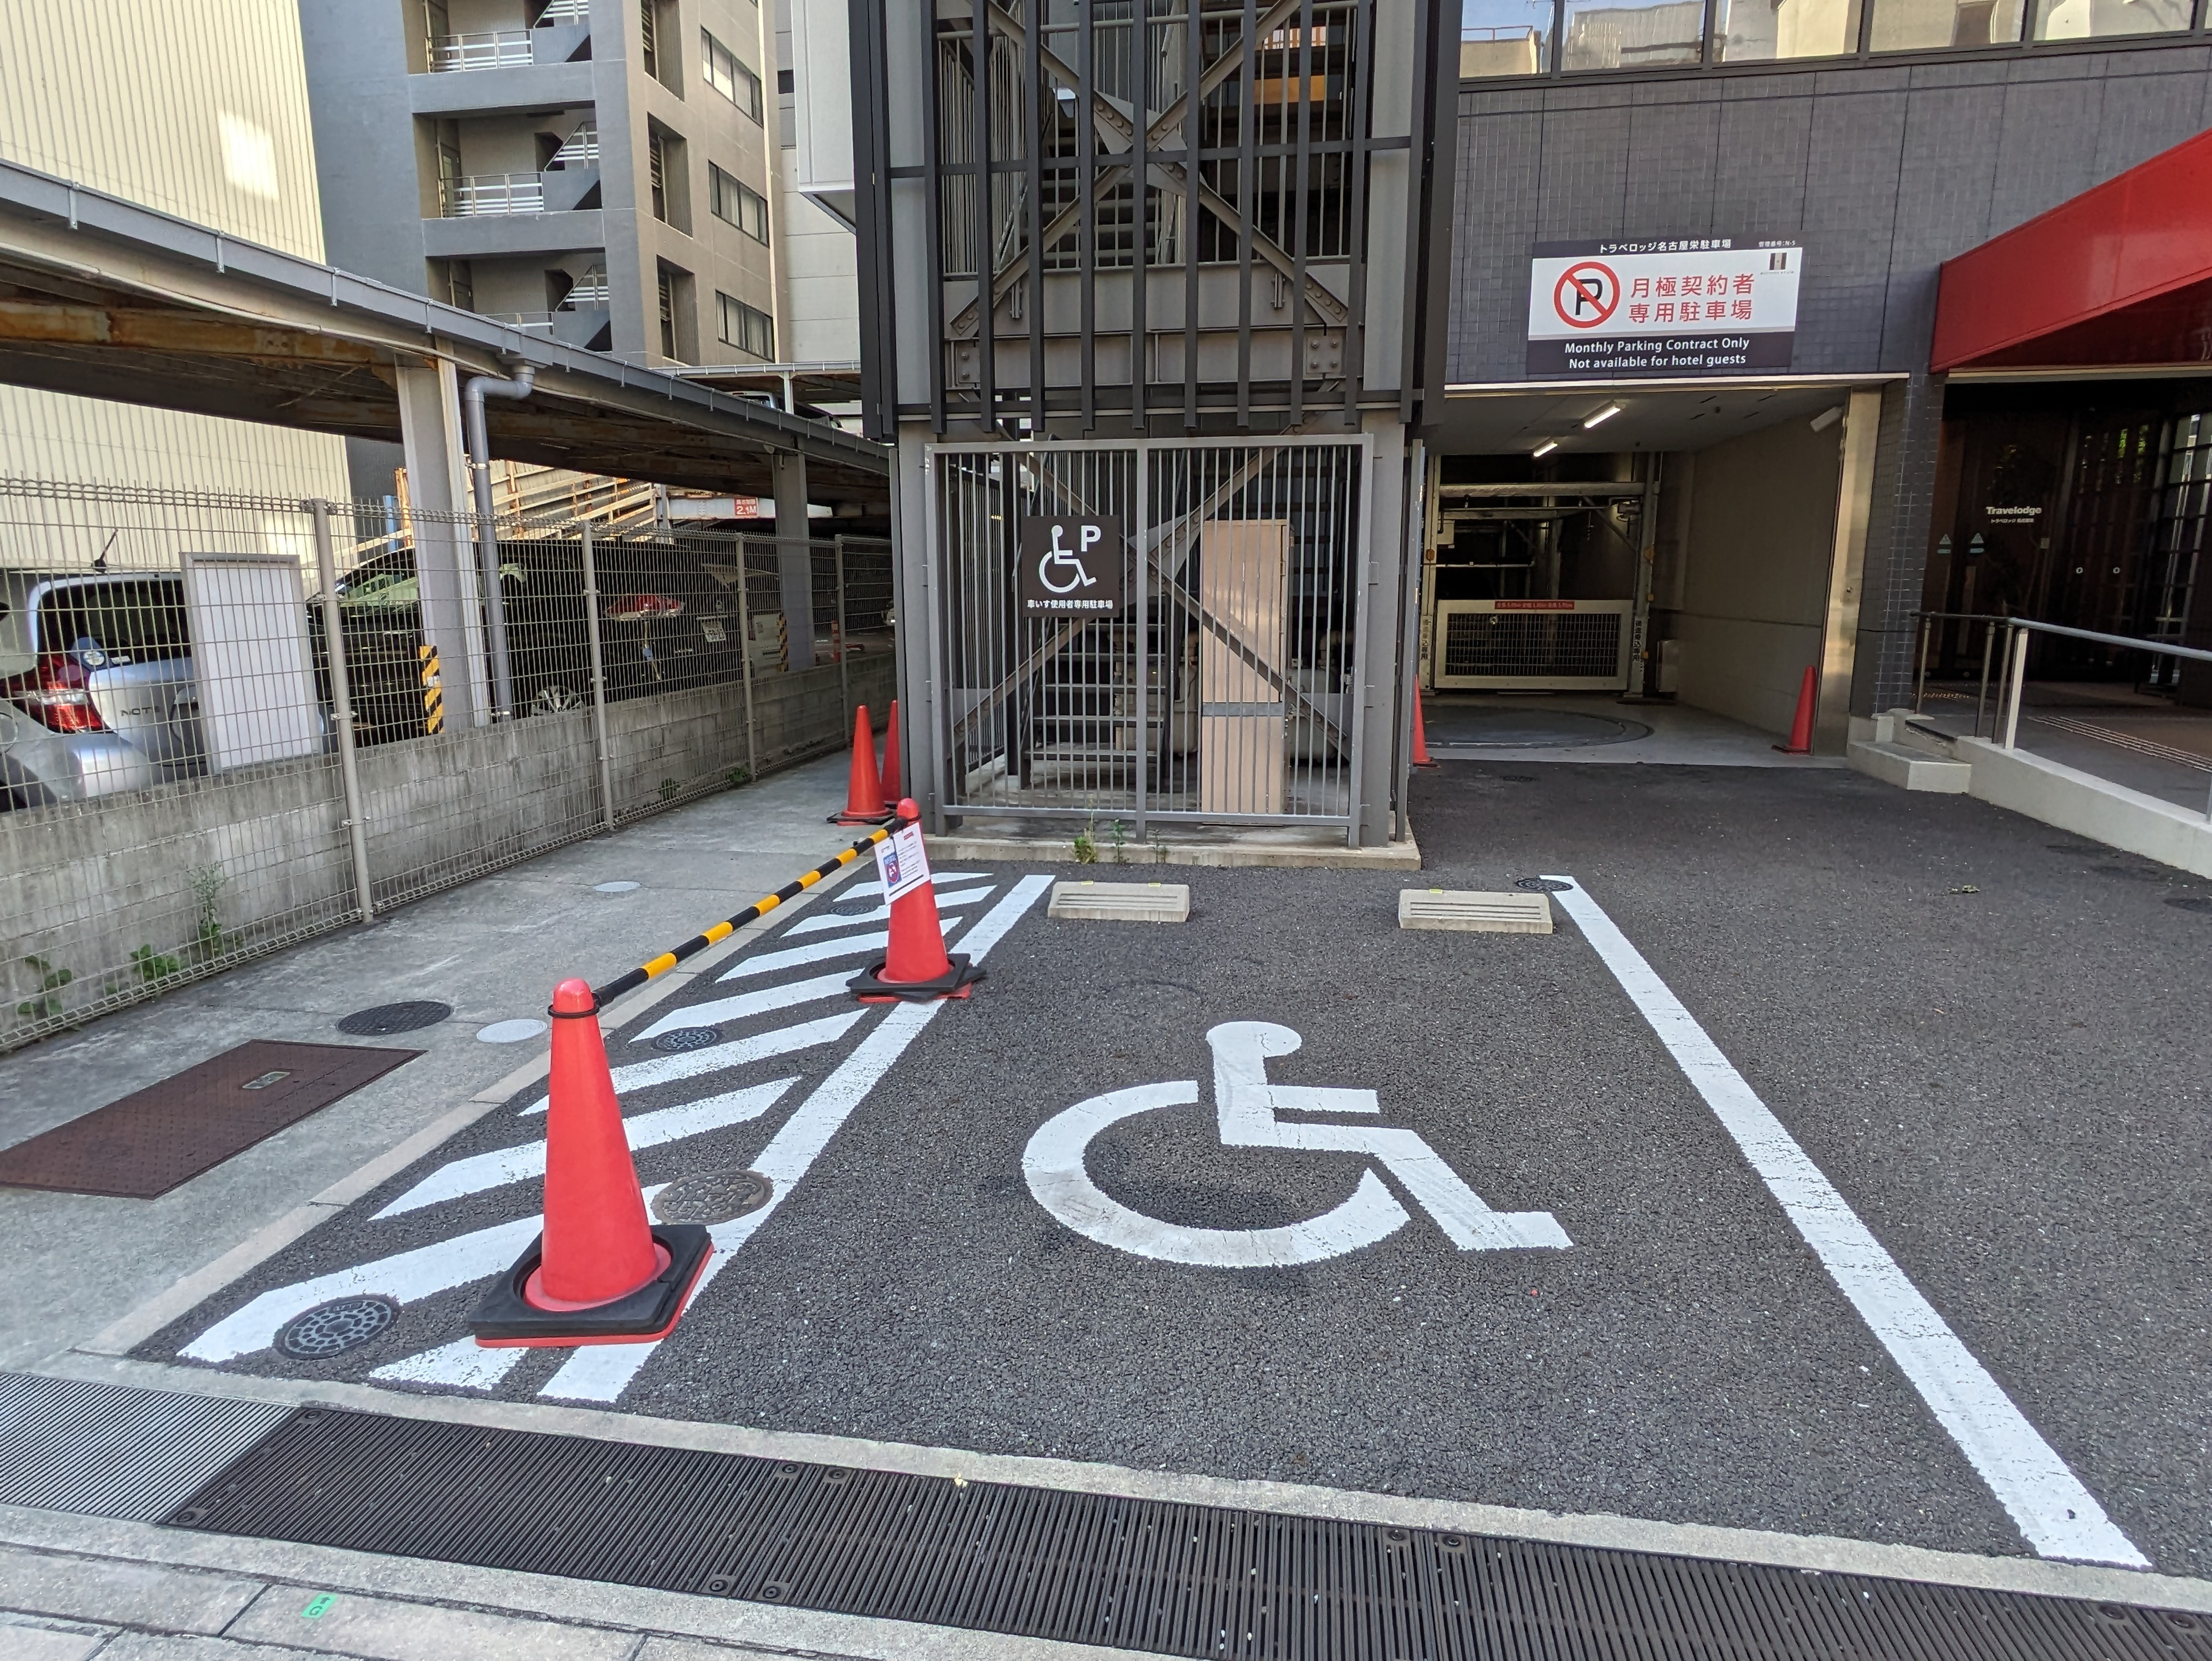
(598, 171)
(200, 109)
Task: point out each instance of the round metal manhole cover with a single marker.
(679, 1039)
(712, 1197)
(1529, 729)
(1543, 885)
(2191, 902)
(332, 1329)
(388, 1017)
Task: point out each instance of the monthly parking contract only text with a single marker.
(1682, 307)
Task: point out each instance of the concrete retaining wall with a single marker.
(2088, 806)
(196, 875)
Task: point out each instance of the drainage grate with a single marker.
(676, 1040)
(1176, 1579)
(114, 1450)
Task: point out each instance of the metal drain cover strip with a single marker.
(104, 1450)
(1177, 1579)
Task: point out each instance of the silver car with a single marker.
(96, 688)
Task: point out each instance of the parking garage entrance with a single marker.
(1694, 543)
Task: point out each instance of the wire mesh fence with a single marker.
(229, 723)
(1214, 685)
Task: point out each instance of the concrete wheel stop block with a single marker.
(1121, 902)
(1471, 912)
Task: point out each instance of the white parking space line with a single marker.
(690, 1063)
(846, 946)
(829, 920)
(601, 1373)
(526, 1163)
(762, 1002)
(2058, 1516)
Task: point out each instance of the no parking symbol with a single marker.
(1586, 294)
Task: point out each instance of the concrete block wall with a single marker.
(263, 852)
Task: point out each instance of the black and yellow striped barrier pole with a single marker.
(603, 995)
(434, 690)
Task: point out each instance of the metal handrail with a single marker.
(2013, 676)
(481, 49)
(494, 195)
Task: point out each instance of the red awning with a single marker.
(2121, 275)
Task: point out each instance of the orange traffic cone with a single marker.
(1421, 736)
(863, 789)
(599, 1273)
(1801, 729)
(915, 968)
(892, 788)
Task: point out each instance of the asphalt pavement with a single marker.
(1989, 1038)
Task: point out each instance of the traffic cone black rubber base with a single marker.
(871, 988)
(505, 1319)
(883, 818)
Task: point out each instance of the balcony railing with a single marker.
(481, 49)
(581, 148)
(485, 195)
(528, 322)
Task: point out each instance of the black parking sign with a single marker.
(1071, 566)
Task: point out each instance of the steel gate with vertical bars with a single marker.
(1222, 692)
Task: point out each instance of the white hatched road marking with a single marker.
(2059, 1517)
(875, 885)
(845, 946)
(690, 1063)
(762, 1002)
(526, 1163)
(829, 920)
(601, 1373)
(464, 1364)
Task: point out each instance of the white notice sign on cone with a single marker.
(902, 863)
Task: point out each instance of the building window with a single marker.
(746, 328)
(667, 177)
(728, 77)
(678, 317)
(744, 208)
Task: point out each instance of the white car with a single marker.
(96, 688)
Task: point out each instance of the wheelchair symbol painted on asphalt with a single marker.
(1247, 1106)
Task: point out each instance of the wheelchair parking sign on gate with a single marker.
(1246, 1108)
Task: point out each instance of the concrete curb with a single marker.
(1827, 1553)
(122, 1336)
(1059, 850)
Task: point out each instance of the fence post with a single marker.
(1920, 686)
(598, 681)
(745, 657)
(844, 672)
(2018, 654)
(326, 569)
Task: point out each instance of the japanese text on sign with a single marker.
(902, 861)
(1694, 306)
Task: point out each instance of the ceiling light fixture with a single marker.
(1547, 446)
(1604, 415)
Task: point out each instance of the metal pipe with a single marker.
(598, 681)
(341, 710)
(1982, 689)
(474, 391)
(1920, 686)
(2018, 654)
